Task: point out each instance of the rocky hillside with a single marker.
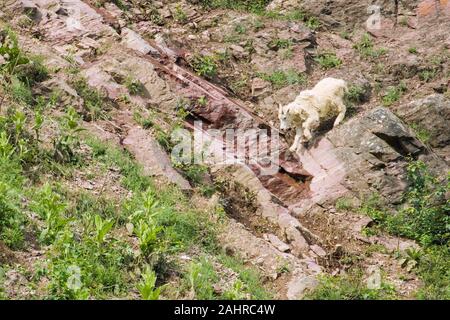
(93, 206)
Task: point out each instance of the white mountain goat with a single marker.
(305, 113)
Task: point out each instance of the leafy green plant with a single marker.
(277, 44)
(134, 86)
(240, 28)
(32, 72)
(202, 276)
(328, 60)
(422, 134)
(11, 218)
(427, 74)
(94, 103)
(147, 235)
(250, 286)
(236, 292)
(393, 94)
(355, 94)
(9, 49)
(425, 218)
(344, 204)
(366, 48)
(433, 268)
(204, 65)
(254, 6)
(147, 287)
(51, 208)
(180, 15)
(283, 78)
(202, 101)
(102, 227)
(68, 141)
(313, 23)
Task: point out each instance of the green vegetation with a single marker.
(179, 15)
(112, 244)
(240, 28)
(277, 44)
(254, 6)
(422, 134)
(328, 60)
(281, 78)
(19, 71)
(343, 204)
(313, 23)
(350, 287)
(355, 94)
(424, 218)
(94, 102)
(259, 7)
(393, 94)
(366, 48)
(202, 278)
(205, 66)
(427, 74)
(135, 87)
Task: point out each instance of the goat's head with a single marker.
(283, 117)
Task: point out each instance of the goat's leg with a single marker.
(310, 124)
(297, 140)
(342, 110)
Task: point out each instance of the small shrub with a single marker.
(425, 218)
(180, 15)
(356, 94)
(33, 72)
(393, 94)
(94, 101)
(240, 28)
(366, 48)
(281, 79)
(422, 134)
(428, 74)
(313, 23)
(201, 277)
(344, 204)
(204, 66)
(328, 60)
(11, 52)
(67, 142)
(134, 86)
(277, 44)
(147, 287)
(102, 227)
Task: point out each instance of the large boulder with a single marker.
(430, 116)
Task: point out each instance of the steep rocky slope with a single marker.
(134, 71)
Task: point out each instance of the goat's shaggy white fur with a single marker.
(305, 113)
